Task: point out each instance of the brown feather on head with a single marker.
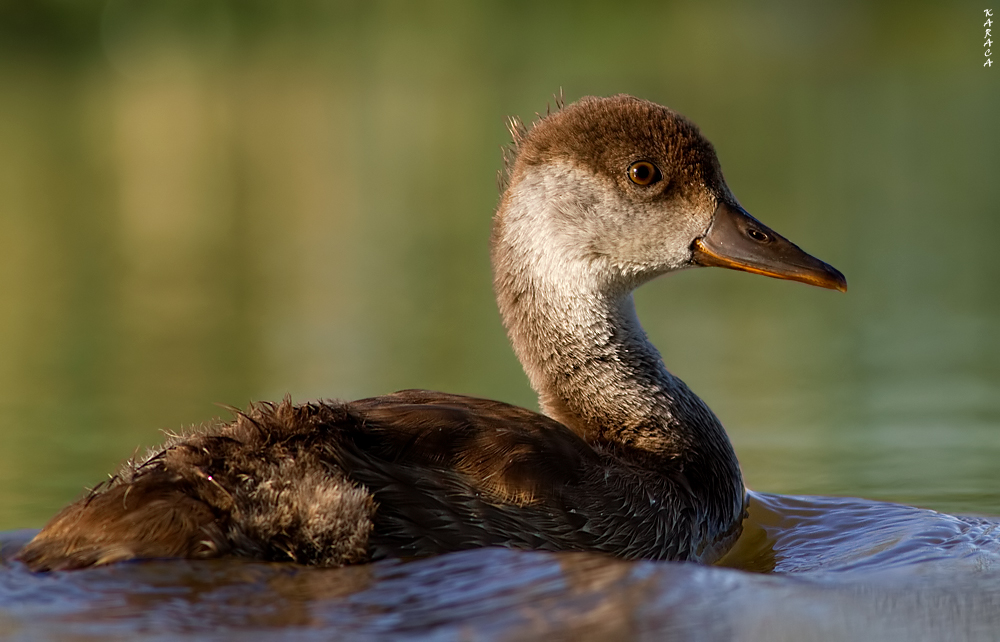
(518, 132)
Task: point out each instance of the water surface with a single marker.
(814, 569)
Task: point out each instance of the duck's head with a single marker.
(615, 191)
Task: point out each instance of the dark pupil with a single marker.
(642, 172)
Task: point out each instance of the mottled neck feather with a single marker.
(574, 328)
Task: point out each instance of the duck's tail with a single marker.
(257, 487)
(153, 516)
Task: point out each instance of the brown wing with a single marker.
(507, 453)
(450, 472)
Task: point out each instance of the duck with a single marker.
(598, 198)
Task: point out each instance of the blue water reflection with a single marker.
(837, 570)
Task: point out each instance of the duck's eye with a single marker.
(643, 173)
(757, 235)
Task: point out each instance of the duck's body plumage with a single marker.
(625, 460)
(410, 474)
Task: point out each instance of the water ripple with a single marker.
(807, 568)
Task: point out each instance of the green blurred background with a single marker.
(208, 201)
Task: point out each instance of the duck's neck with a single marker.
(591, 364)
(594, 370)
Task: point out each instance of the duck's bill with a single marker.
(738, 241)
